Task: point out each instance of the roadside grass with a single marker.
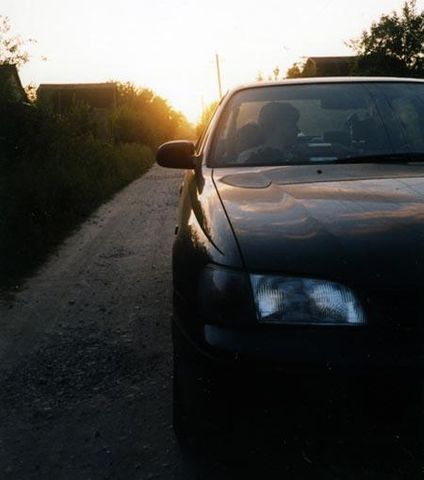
(46, 194)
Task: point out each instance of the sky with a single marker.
(170, 46)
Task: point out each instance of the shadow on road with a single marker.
(350, 429)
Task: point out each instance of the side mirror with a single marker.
(176, 154)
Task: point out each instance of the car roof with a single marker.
(315, 80)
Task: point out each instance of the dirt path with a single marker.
(85, 350)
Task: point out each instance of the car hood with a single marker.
(359, 224)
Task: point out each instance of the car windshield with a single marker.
(320, 123)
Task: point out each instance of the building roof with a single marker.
(78, 86)
(331, 59)
(327, 66)
(97, 95)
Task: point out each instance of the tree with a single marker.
(12, 47)
(272, 77)
(392, 46)
(144, 117)
(295, 71)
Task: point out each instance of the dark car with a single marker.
(299, 248)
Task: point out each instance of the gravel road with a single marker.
(85, 350)
(85, 360)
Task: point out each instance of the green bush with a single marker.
(53, 174)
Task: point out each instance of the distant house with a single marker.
(62, 96)
(101, 97)
(11, 88)
(327, 66)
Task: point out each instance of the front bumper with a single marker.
(306, 349)
(318, 348)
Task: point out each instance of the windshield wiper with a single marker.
(410, 157)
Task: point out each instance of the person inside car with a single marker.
(278, 123)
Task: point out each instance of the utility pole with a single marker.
(218, 72)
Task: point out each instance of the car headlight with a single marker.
(225, 297)
(292, 300)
